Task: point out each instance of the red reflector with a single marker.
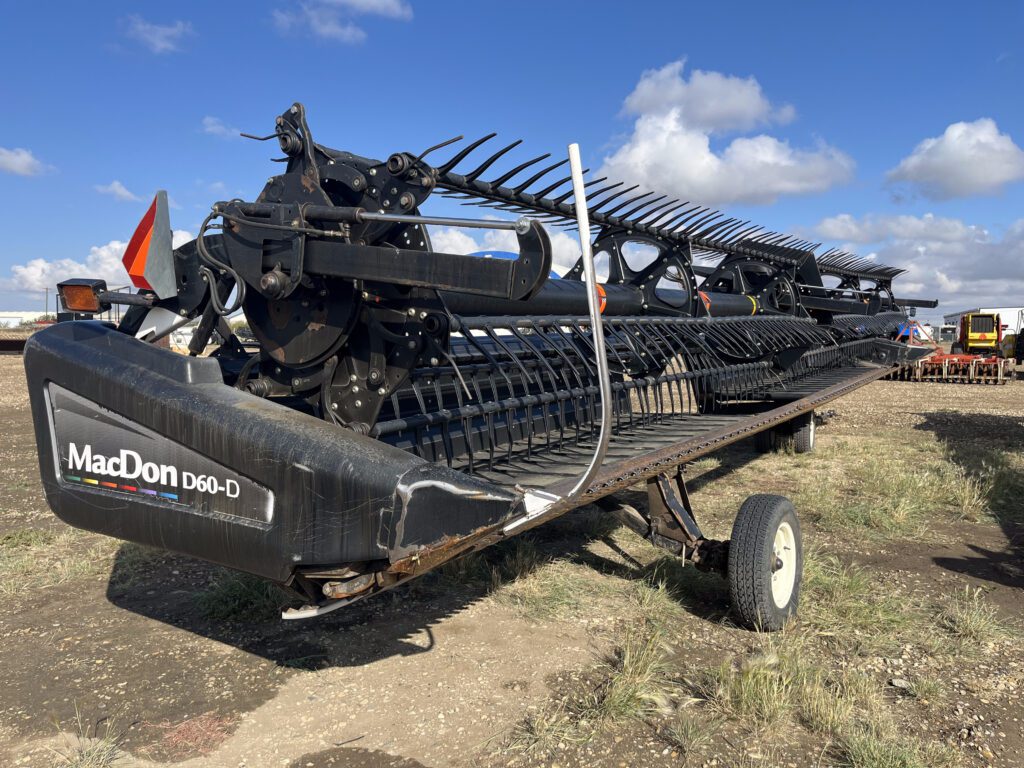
(134, 258)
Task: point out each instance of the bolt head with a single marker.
(434, 361)
(359, 403)
(412, 312)
(381, 391)
(352, 377)
(334, 406)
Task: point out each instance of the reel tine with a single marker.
(681, 225)
(561, 199)
(537, 176)
(474, 174)
(553, 187)
(443, 144)
(663, 214)
(654, 210)
(596, 206)
(707, 230)
(629, 213)
(442, 170)
(672, 223)
(601, 191)
(624, 203)
(521, 167)
(726, 234)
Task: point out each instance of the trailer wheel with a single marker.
(803, 433)
(765, 562)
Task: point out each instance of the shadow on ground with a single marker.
(981, 444)
(400, 622)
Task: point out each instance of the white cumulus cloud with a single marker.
(217, 127)
(967, 159)
(331, 19)
(20, 162)
(960, 264)
(670, 149)
(393, 9)
(118, 191)
(875, 228)
(709, 101)
(158, 38)
(102, 261)
(565, 249)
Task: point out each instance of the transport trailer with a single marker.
(403, 406)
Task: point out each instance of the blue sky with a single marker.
(893, 129)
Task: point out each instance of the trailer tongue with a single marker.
(403, 406)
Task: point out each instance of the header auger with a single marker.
(403, 406)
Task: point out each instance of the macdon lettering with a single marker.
(127, 465)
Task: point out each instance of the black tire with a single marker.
(803, 433)
(765, 583)
(764, 441)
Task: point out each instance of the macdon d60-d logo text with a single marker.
(129, 465)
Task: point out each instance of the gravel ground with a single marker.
(438, 674)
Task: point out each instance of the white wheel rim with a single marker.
(783, 565)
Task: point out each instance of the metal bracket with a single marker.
(670, 523)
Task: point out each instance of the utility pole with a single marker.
(46, 306)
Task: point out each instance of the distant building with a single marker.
(12, 319)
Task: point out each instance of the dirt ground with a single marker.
(908, 650)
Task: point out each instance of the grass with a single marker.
(541, 587)
(759, 689)
(87, 747)
(706, 464)
(889, 490)
(34, 557)
(134, 563)
(636, 681)
(689, 733)
(766, 690)
(969, 618)
(927, 690)
(632, 683)
(234, 596)
(824, 706)
(869, 745)
(25, 538)
(970, 493)
(851, 608)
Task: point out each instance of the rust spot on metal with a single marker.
(430, 557)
